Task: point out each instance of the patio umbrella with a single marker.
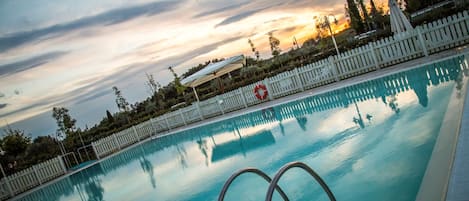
(399, 22)
(213, 71)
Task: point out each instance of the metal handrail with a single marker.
(221, 197)
(303, 166)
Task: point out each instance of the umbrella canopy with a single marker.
(214, 70)
(399, 22)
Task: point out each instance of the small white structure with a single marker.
(213, 71)
(399, 22)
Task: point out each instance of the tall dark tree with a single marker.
(355, 19)
(122, 104)
(366, 16)
(109, 116)
(375, 15)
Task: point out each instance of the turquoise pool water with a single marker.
(370, 141)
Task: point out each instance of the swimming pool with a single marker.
(369, 141)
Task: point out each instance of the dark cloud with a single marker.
(218, 10)
(94, 96)
(37, 104)
(107, 18)
(240, 16)
(2, 95)
(3, 105)
(29, 63)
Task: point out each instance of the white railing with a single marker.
(29, 178)
(443, 34)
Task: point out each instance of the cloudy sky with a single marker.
(70, 53)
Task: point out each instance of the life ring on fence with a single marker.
(260, 88)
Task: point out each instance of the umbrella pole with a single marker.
(195, 93)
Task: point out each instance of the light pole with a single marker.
(326, 24)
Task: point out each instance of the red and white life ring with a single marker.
(261, 91)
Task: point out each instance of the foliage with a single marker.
(42, 149)
(254, 50)
(109, 116)
(122, 104)
(177, 82)
(355, 19)
(64, 121)
(153, 86)
(15, 142)
(366, 16)
(274, 45)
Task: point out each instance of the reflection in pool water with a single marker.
(369, 141)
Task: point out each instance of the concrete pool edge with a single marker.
(434, 185)
(448, 54)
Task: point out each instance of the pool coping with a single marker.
(416, 63)
(434, 185)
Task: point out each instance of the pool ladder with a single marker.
(273, 182)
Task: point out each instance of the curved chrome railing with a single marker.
(274, 182)
(221, 197)
(305, 167)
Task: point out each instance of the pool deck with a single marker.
(457, 190)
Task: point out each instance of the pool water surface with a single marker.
(369, 141)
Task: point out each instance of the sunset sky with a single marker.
(70, 53)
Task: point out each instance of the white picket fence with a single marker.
(31, 177)
(430, 38)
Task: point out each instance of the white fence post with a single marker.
(199, 110)
(219, 104)
(300, 82)
(245, 103)
(167, 123)
(116, 141)
(95, 151)
(152, 126)
(136, 133)
(7, 182)
(373, 55)
(182, 116)
(422, 41)
(37, 175)
(62, 164)
(269, 88)
(334, 68)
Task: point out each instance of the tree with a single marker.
(122, 104)
(66, 125)
(366, 17)
(274, 45)
(254, 50)
(64, 121)
(15, 142)
(177, 82)
(42, 148)
(412, 5)
(375, 15)
(355, 19)
(152, 85)
(109, 116)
